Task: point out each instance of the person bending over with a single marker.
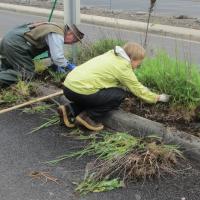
(19, 46)
(95, 87)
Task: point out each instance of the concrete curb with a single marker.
(139, 126)
(165, 30)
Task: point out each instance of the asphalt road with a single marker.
(163, 7)
(21, 154)
(181, 49)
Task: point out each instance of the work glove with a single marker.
(62, 70)
(66, 69)
(164, 98)
(71, 66)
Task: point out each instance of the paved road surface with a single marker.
(163, 7)
(21, 154)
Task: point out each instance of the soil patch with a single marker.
(179, 21)
(188, 122)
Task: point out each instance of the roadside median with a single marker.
(138, 126)
(165, 30)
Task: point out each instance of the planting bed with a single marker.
(163, 114)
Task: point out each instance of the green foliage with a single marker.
(37, 109)
(17, 93)
(167, 75)
(57, 76)
(53, 120)
(90, 185)
(91, 50)
(39, 66)
(8, 97)
(112, 145)
(121, 156)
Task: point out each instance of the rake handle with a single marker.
(31, 102)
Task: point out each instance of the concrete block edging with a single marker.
(138, 126)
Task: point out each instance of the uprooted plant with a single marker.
(121, 158)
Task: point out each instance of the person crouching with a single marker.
(95, 87)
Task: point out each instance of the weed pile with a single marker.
(122, 158)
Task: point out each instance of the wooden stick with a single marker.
(31, 102)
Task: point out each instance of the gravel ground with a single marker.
(181, 20)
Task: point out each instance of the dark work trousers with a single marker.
(17, 56)
(98, 104)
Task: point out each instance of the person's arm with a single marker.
(129, 80)
(56, 47)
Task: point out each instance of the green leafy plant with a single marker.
(90, 185)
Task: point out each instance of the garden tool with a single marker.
(32, 101)
(45, 54)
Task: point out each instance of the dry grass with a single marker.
(122, 158)
(152, 160)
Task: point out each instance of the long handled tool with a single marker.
(148, 20)
(31, 102)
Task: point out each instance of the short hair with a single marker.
(134, 50)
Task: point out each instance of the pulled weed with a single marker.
(37, 109)
(53, 120)
(121, 156)
(90, 185)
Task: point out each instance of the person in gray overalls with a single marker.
(19, 46)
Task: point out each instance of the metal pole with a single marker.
(110, 4)
(72, 16)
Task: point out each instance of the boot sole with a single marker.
(64, 118)
(88, 126)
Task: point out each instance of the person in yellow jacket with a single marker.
(95, 87)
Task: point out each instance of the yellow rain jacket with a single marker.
(106, 71)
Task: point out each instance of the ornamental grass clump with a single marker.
(171, 76)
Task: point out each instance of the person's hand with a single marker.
(65, 69)
(71, 66)
(62, 70)
(164, 98)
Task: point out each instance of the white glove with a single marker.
(163, 98)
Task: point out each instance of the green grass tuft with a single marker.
(167, 75)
